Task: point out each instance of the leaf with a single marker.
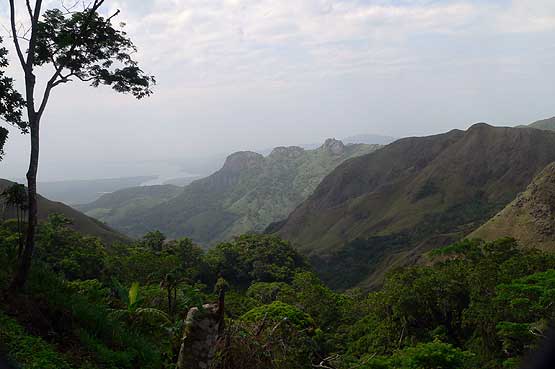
(134, 294)
(155, 313)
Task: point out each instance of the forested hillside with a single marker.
(246, 195)
(80, 222)
(475, 305)
(387, 208)
(120, 206)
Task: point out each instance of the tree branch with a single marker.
(33, 41)
(112, 16)
(29, 9)
(54, 81)
(69, 10)
(15, 38)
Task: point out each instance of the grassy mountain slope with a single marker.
(81, 222)
(545, 124)
(115, 208)
(249, 192)
(530, 218)
(386, 208)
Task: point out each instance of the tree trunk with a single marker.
(170, 302)
(19, 232)
(24, 266)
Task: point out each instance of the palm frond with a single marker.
(154, 313)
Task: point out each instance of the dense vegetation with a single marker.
(474, 304)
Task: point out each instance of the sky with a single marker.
(251, 74)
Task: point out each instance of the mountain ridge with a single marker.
(248, 192)
(414, 194)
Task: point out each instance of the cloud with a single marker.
(231, 41)
(526, 16)
(200, 43)
(239, 74)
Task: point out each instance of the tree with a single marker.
(16, 197)
(77, 44)
(11, 102)
(154, 240)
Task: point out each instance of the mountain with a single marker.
(249, 192)
(81, 222)
(116, 207)
(388, 207)
(545, 124)
(369, 139)
(84, 191)
(530, 218)
(182, 181)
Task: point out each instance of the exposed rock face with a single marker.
(334, 146)
(200, 337)
(243, 160)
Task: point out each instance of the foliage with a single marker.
(68, 252)
(154, 240)
(255, 258)
(268, 292)
(76, 44)
(74, 316)
(11, 102)
(432, 355)
(27, 350)
(470, 297)
(474, 304)
(90, 49)
(277, 312)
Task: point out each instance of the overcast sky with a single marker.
(251, 74)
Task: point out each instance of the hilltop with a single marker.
(386, 208)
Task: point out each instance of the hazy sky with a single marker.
(252, 74)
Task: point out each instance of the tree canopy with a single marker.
(11, 102)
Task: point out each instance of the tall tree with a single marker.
(78, 44)
(11, 102)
